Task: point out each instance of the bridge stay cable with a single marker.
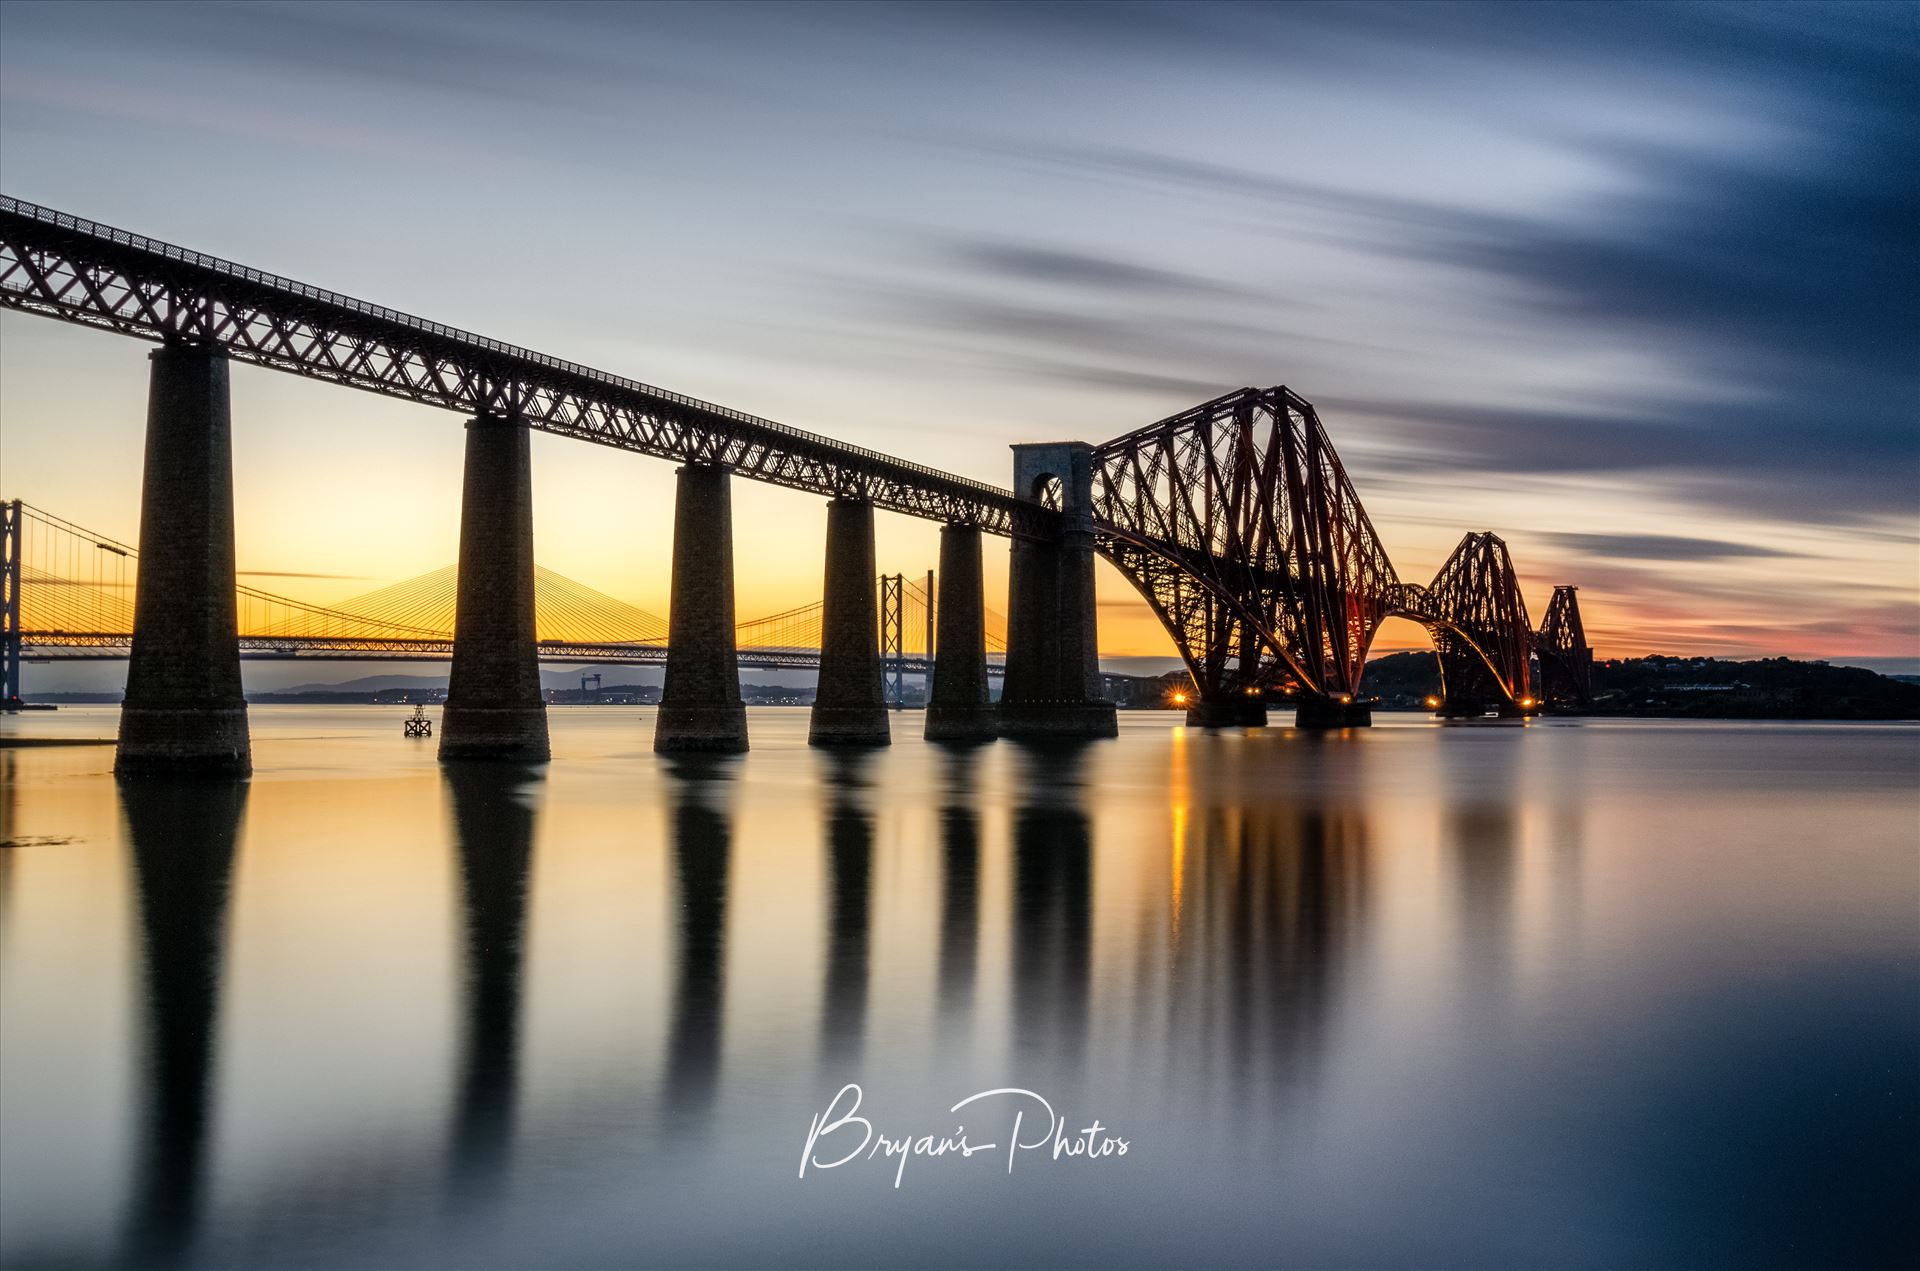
(72, 592)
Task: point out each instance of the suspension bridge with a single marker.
(1234, 519)
(76, 590)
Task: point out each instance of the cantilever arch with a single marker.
(495, 709)
(960, 708)
(848, 708)
(1052, 685)
(700, 706)
(184, 711)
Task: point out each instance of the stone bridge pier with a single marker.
(1052, 687)
(849, 708)
(495, 709)
(1240, 702)
(700, 704)
(1316, 711)
(1468, 688)
(184, 711)
(960, 708)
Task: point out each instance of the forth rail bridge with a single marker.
(1234, 519)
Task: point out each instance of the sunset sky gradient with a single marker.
(1632, 286)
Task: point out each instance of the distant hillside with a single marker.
(1701, 688)
(1402, 680)
(1772, 688)
(368, 684)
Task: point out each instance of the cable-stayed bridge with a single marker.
(77, 588)
(1234, 519)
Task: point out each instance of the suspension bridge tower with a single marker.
(10, 556)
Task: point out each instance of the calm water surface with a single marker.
(1576, 993)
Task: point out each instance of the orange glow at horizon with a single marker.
(320, 529)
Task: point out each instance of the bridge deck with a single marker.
(76, 270)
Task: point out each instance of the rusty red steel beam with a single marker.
(1234, 518)
(75, 270)
(1239, 525)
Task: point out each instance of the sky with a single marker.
(1632, 286)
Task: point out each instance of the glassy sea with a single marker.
(1575, 993)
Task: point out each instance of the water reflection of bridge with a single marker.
(1269, 903)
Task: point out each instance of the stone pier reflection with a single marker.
(959, 891)
(849, 860)
(702, 846)
(182, 834)
(1052, 904)
(493, 821)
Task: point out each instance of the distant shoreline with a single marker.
(1281, 714)
(1653, 687)
(21, 743)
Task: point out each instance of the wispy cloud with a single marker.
(1656, 259)
(1660, 547)
(1081, 270)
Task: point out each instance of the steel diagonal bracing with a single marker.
(1235, 519)
(1237, 522)
(1474, 608)
(1566, 663)
(76, 270)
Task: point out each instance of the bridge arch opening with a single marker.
(1398, 633)
(1231, 663)
(1047, 490)
(1465, 680)
(1415, 673)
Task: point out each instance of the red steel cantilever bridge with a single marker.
(1238, 523)
(1234, 519)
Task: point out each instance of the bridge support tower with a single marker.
(495, 709)
(12, 546)
(700, 706)
(848, 709)
(1315, 711)
(1468, 690)
(184, 711)
(1233, 705)
(1052, 687)
(960, 708)
(1235, 710)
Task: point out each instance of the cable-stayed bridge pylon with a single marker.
(75, 591)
